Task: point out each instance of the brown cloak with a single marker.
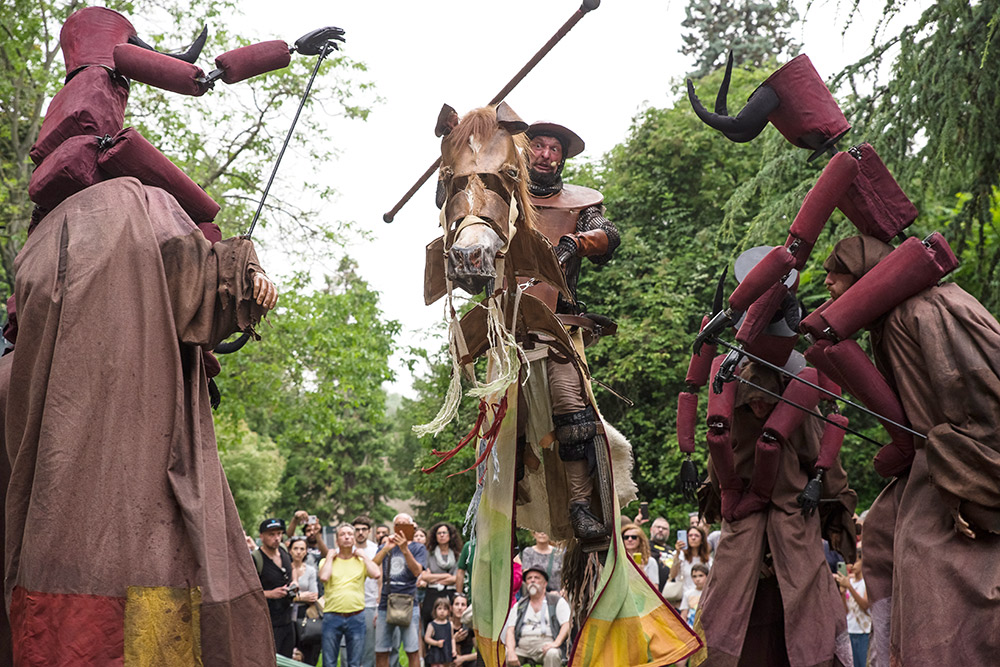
(941, 351)
(752, 612)
(123, 544)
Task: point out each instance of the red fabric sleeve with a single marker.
(833, 438)
(131, 155)
(822, 199)
(248, 61)
(701, 363)
(768, 271)
(687, 417)
(906, 271)
(158, 69)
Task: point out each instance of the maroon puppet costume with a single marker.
(931, 538)
(111, 442)
(770, 599)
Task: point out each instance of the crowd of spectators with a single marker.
(382, 589)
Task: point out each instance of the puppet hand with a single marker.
(689, 480)
(264, 291)
(808, 500)
(962, 526)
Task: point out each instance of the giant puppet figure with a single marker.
(940, 351)
(123, 543)
(491, 243)
(770, 599)
(799, 105)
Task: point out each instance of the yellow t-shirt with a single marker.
(345, 589)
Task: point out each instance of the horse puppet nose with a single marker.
(471, 258)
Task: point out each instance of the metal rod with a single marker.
(329, 46)
(587, 6)
(806, 410)
(829, 393)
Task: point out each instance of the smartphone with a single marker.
(644, 511)
(407, 529)
(682, 536)
(842, 568)
(313, 519)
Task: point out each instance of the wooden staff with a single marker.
(587, 6)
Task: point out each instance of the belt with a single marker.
(346, 614)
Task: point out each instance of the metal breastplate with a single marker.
(558, 215)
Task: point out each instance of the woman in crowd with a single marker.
(546, 556)
(304, 575)
(420, 535)
(695, 551)
(442, 563)
(637, 546)
(465, 640)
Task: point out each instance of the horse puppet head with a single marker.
(482, 189)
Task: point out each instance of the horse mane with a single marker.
(482, 122)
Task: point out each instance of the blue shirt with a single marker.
(396, 576)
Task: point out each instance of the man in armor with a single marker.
(572, 218)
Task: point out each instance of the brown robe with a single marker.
(123, 543)
(941, 351)
(756, 613)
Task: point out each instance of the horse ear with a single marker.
(509, 120)
(446, 122)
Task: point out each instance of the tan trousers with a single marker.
(530, 649)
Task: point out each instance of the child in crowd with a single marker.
(859, 620)
(438, 638)
(699, 575)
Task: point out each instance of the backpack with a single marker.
(258, 559)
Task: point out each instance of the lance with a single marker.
(804, 409)
(320, 43)
(587, 6)
(827, 392)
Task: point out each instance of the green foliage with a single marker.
(313, 385)
(756, 32)
(935, 122)
(253, 467)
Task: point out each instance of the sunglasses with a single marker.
(630, 537)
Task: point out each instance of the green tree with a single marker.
(253, 466)
(755, 32)
(226, 140)
(313, 385)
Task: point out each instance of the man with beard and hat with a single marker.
(572, 218)
(940, 352)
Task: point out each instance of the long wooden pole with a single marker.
(587, 6)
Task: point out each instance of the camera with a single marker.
(292, 589)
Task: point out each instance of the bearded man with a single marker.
(940, 351)
(572, 218)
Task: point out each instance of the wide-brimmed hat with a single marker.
(571, 142)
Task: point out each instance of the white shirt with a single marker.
(858, 622)
(371, 585)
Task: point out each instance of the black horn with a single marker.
(750, 121)
(188, 55)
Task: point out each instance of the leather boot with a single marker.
(586, 526)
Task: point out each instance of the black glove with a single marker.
(565, 249)
(808, 500)
(721, 321)
(689, 480)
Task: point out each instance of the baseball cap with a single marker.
(271, 524)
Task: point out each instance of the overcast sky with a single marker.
(617, 60)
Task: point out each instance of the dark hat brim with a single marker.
(572, 144)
